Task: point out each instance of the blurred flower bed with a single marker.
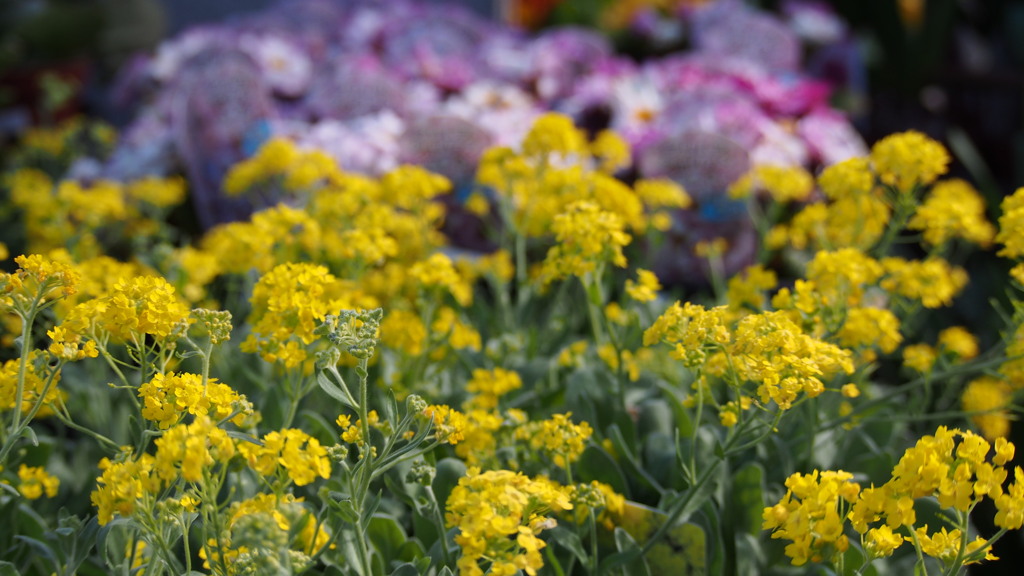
(370, 290)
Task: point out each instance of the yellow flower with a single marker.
(488, 386)
(692, 329)
(559, 437)
(403, 330)
(499, 515)
(143, 305)
(586, 237)
(841, 276)
(167, 398)
(934, 282)
(953, 209)
(662, 193)
(747, 289)
(646, 288)
(554, 133)
(1011, 225)
(160, 192)
(611, 150)
(299, 454)
(882, 542)
(449, 424)
(847, 179)
(438, 271)
(870, 328)
(783, 183)
(771, 350)
(919, 357)
(909, 159)
(1010, 504)
(989, 399)
(122, 484)
(35, 481)
(809, 515)
(959, 342)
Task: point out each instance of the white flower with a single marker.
(286, 69)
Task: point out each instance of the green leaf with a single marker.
(683, 551)
(626, 457)
(8, 569)
(570, 541)
(238, 435)
(411, 550)
(41, 549)
(596, 464)
(391, 408)
(629, 555)
(655, 417)
(407, 569)
(660, 458)
(386, 535)
(332, 389)
(445, 572)
(449, 471)
(747, 498)
(750, 558)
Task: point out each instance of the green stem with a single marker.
(905, 204)
(917, 548)
(439, 519)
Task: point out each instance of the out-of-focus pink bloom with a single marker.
(830, 136)
(366, 145)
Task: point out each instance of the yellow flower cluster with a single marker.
(559, 437)
(811, 515)
(488, 386)
(500, 515)
(953, 209)
(449, 425)
(185, 451)
(953, 467)
(37, 281)
(35, 481)
(933, 282)
(140, 306)
(867, 329)
(555, 169)
(692, 329)
(587, 238)
(855, 215)
(291, 452)
(986, 399)
(167, 398)
(909, 159)
(771, 350)
(747, 289)
(438, 271)
(69, 214)
(288, 303)
(783, 183)
(279, 160)
(37, 373)
(646, 288)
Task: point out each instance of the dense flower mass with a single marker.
(477, 335)
(500, 515)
